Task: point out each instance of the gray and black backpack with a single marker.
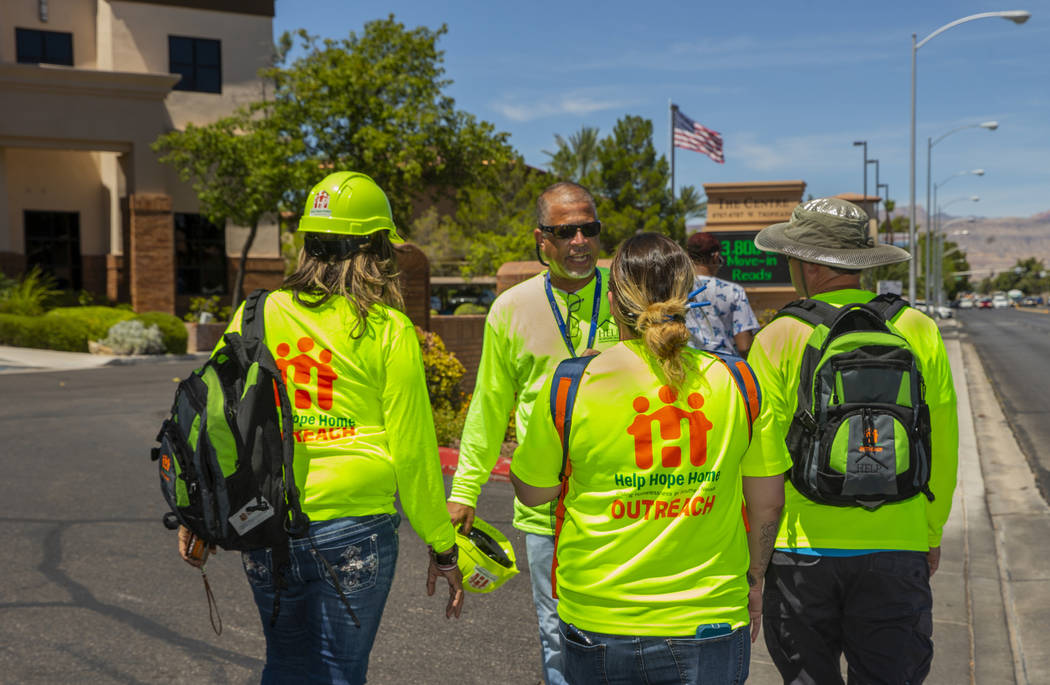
(861, 433)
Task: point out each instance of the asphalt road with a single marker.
(1014, 347)
(94, 591)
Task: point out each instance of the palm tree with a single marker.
(577, 157)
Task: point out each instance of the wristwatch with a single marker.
(446, 561)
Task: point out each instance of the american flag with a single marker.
(692, 136)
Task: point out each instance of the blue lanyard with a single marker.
(561, 322)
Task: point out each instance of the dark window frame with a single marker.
(52, 241)
(198, 61)
(37, 46)
(201, 264)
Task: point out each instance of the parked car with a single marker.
(966, 304)
(1029, 301)
(1000, 302)
(945, 312)
(984, 303)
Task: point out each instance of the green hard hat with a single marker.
(348, 203)
(486, 557)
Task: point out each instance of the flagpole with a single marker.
(670, 133)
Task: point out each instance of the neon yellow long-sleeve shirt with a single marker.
(522, 346)
(914, 524)
(363, 423)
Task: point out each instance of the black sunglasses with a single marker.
(566, 231)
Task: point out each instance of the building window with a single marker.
(53, 244)
(47, 47)
(200, 256)
(198, 61)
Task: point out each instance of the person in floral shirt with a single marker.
(726, 323)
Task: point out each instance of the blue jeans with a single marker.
(540, 550)
(599, 659)
(314, 639)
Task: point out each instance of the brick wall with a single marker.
(259, 272)
(116, 278)
(415, 283)
(94, 274)
(152, 250)
(462, 335)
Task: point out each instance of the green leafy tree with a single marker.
(574, 159)
(238, 166)
(493, 225)
(375, 102)
(632, 186)
(1027, 275)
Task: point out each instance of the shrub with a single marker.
(132, 337)
(443, 373)
(210, 305)
(30, 295)
(469, 308)
(171, 328)
(98, 319)
(43, 332)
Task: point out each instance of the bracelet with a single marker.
(446, 561)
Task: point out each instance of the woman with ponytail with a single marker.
(657, 574)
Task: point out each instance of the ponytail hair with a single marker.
(650, 279)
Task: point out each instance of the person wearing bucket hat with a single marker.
(845, 579)
(353, 366)
(561, 312)
(723, 321)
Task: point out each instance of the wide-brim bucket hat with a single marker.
(832, 232)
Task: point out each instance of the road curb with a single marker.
(1014, 506)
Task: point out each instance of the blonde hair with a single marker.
(650, 279)
(367, 277)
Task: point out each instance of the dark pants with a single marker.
(875, 608)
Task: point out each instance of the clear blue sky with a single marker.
(790, 85)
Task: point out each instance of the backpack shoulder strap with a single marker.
(564, 388)
(813, 312)
(252, 321)
(747, 384)
(888, 305)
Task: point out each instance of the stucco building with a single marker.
(85, 87)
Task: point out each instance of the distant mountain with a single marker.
(995, 244)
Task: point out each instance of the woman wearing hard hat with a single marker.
(657, 578)
(354, 372)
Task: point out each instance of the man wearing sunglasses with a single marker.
(726, 322)
(562, 312)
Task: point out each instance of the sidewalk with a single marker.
(992, 592)
(25, 359)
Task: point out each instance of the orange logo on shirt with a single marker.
(303, 367)
(669, 418)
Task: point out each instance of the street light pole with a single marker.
(1016, 16)
(876, 163)
(937, 218)
(886, 205)
(941, 254)
(972, 198)
(930, 142)
(865, 144)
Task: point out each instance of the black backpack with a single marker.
(226, 451)
(861, 433)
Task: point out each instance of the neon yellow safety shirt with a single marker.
(914, 524)
(653, 541)
(363, 424)
(521, 347)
